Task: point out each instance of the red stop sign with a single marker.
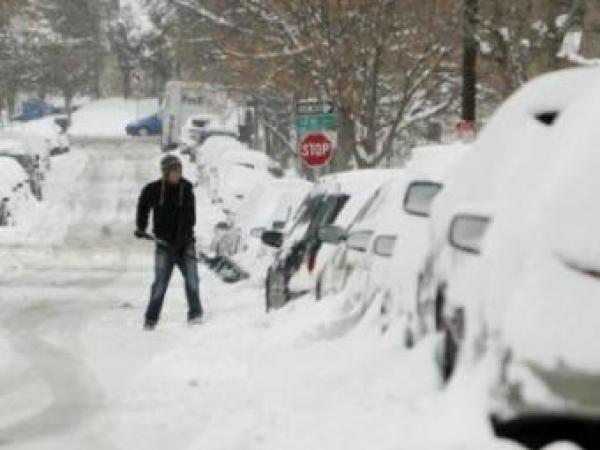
(316, 149)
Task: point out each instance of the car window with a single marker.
(199, 123)
(327, 212)
(368, 209)
(307, 209)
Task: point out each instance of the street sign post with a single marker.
(316, 130)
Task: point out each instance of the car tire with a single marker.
(276, 294)
(319, 289)
(449, 353)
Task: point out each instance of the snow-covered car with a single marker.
(267, 207)
(533, 315)
(231, 172)
(191, 131)
(499, 159)
(378, 257)
(302, 254)
(48, 136)
(214, 129)
(14, 189)
(208, 154)
(19, 150)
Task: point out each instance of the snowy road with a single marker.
(77, 372)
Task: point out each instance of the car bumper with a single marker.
(526, 389)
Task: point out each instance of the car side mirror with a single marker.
(467, 232)
(279, 224)
(419, 197)
(359, 240)
(257, 232)
(384, 245)
(63, 123)
(331, 234)
(272, 238)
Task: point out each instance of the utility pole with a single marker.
(469, 67)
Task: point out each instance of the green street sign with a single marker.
(316, 122)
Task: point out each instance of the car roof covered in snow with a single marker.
(504, 153)
(263, 202)
(247, 156)
(355, 181)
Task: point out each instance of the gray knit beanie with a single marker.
(169, 162)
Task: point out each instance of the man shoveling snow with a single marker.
(171, 200)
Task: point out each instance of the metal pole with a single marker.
(469, 68)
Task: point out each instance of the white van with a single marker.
(183, 100)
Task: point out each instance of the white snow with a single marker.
(109, 117)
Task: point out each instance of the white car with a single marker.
(17, 148)
(377, 261)
(497, 161)
(208, 154)
(267, 207)
(534, 315)
(356, 190)
(191, 131)
(14, 190)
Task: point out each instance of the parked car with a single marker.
(34, 109)
(193, 127)
(532, 307)
(376, 263)
(148, 126)
(27, 158)
(466, 206)
(268, 206)
(48, 136)
(230, 170)
(14, 189)
(300, 256)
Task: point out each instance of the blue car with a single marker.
(148, 126)
(35, 109)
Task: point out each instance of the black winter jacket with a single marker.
(173, 210)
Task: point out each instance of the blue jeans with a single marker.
(164, 261)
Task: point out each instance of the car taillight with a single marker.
(312, 259)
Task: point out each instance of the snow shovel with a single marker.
(225, 268)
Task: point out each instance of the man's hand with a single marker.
(139, 234)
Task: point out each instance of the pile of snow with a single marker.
(109, 117)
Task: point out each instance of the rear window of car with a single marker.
(199, 123)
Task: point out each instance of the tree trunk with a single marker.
(126, 73)
(346, 141)
(591, 29)
(68, 104)
(11, 102)
(469, 69)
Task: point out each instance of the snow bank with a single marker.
(109, 117)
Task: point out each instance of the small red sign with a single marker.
(316, 149)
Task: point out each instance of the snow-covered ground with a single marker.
(108, 117)
(77, 371)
